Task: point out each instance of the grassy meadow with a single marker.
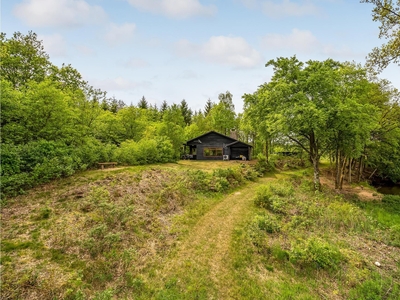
(198, 230)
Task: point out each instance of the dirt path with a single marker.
(207, 248)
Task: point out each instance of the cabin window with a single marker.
(210, 152)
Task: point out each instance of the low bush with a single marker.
(146, 151)
(263, 197)
(315, 253)
(37, 162)
(262, 166)
(283, 189)
(345, 216)
(391, 199)
(376, 287)
(289, 162)
(267, 223)
(220, 180)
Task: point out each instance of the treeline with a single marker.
(54, 123)
(328, 109)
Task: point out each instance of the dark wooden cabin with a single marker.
(216, 146)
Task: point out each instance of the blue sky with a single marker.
(192, 49)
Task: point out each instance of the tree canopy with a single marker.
(387, 13)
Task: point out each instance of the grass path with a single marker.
(201, 265)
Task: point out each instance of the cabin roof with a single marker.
(234, 141)
(238, 142)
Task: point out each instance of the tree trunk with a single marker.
(342, 173)
(314, 158)
(338, 163)
(359, 170)
(350, 163)
(317, 183)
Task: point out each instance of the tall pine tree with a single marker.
(186, 112)
(207, 108)
(143, 103)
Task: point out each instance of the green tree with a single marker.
(133, 122)
(223, 114)
(143, 103)
(382, 151)
(12, 115)
(227, 100)
(207, 108)
(22, 58)
(352, 119)
(387, 12)
(186, 112)
(68, 77)
(172, 128)
(255, 125)
(311, 103)
(48, 112)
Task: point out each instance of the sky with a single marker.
(192, 49)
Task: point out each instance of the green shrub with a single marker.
(284, 189)
(394, 236)
(267, 223)
(219, 184)
(146, 151)
(278, 205)
(10, 160)
(248, 172)
(199, 179)
(345, 216)
(315, 253)
(261, 165)
(289, 162)
(263, 197)
(37, 162)
(376, 288)
(392, 199)
(44, 213)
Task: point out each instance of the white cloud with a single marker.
(297, 41)
(119, 83)
(135, 63)
(119, 34)
(187, 74)
(85, 50)
(55, 44)
(174, 8)
(303, 41)
(283, 8)
(343, 51)
(225, 50)
(62, 13)
(289, 8)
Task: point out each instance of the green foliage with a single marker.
(263, 197)
(387, 13)
(377, 287)
(37, 162)
(346, 216)
(315, 253)
(392, 199)
(221, 180)
(145, 152)
(274, 197)
(23, 59)
(262, 166)
(267, 223)
(44, 213)
(8, 246)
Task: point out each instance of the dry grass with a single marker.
(145, 233)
